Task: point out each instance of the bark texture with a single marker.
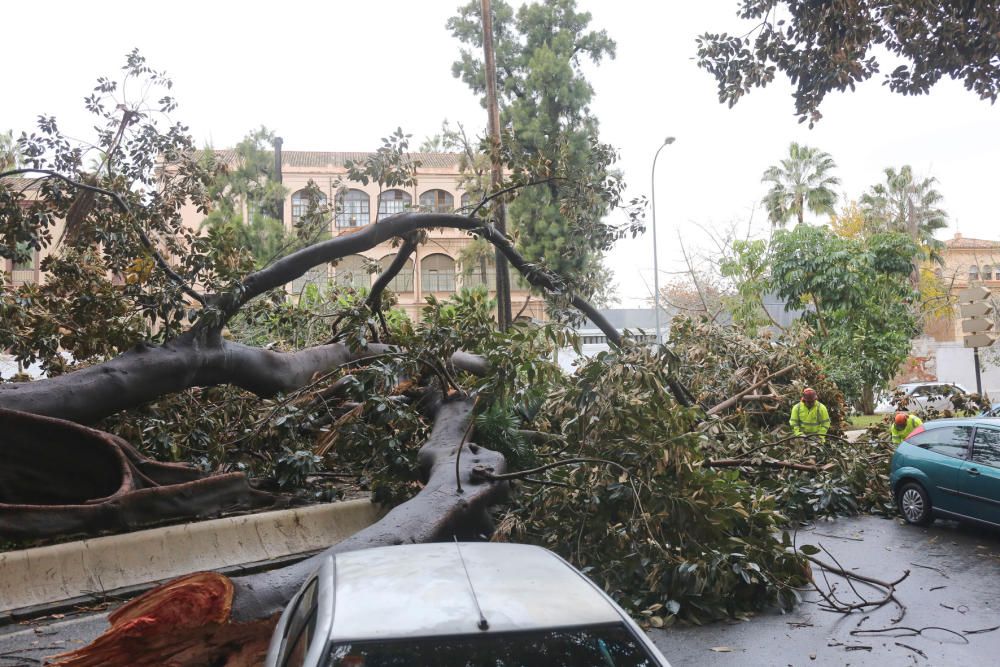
(89, 482)
(147, 372)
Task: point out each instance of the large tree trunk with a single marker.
(209, 619)
(88, 482)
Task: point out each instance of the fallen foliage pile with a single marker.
(682, 512)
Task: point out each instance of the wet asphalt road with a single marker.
(954, 583)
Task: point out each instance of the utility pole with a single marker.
(656, 265)
(504, 312)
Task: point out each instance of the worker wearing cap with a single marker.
(902, 425)
(809, 416)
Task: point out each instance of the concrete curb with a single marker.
(43, 575)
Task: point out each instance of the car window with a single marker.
(921, 391)
(300, 628)
(300, 645)
(986, 447)
(611, 646)
(950, 440)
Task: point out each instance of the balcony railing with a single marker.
(19, 277)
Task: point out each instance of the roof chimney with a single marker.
(958, 235)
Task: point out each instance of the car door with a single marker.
(940, 454)
(918, 398)
(979, 479)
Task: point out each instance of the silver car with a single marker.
(455, 605)
(923, 395)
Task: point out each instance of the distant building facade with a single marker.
(940, 354)
(965, 262)
(16, 274)
(434, 269)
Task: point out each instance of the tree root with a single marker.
(61, 479)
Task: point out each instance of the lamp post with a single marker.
(656, 267)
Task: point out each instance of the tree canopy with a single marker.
(824, 46)
(856, 295)
(801, 182)
(549, 132)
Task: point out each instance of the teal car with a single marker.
(949, 468)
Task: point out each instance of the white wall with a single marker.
(955, 364)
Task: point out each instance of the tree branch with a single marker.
(147, 372)
(403, 256)
(146, 243)
(733, 400)
(744, 463)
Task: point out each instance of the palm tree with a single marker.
(801, 181)
(902, 204)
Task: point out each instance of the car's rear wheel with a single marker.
(914, 504)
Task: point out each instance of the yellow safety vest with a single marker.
(809, 421)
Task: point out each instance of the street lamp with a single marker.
(656, 268)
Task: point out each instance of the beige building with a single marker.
(435, 267)
(16, 274)
(966, 262)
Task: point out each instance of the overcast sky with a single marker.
(339, 75)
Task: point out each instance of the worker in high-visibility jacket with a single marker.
(902, 426)
(809, 416)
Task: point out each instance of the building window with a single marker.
(22, 273)
(988, 272)
(318, 276)
(353, 209)
(300, 204)
(466, 203)
(437, 273)
(438, 201)
(403, 282)
(350, 273)
(939, 274)
(392, 202)
(474, 277)
(973, 273)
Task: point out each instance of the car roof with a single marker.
(421, 590)
(962, 421)
(927, 384)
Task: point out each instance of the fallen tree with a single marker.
(614, 464)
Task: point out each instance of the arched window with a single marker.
(353, 209)
(472, 274)
(987, 272)
(392, 202)
(437, 273)
(300, 204)
(403, 282)
(973, 273)
(318, 276)
(438, 201)
(466, 201)
(350, 273)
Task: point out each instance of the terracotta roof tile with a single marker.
(321, 159)
(19, 183)
(971, 243)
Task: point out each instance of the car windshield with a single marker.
(604, 646)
